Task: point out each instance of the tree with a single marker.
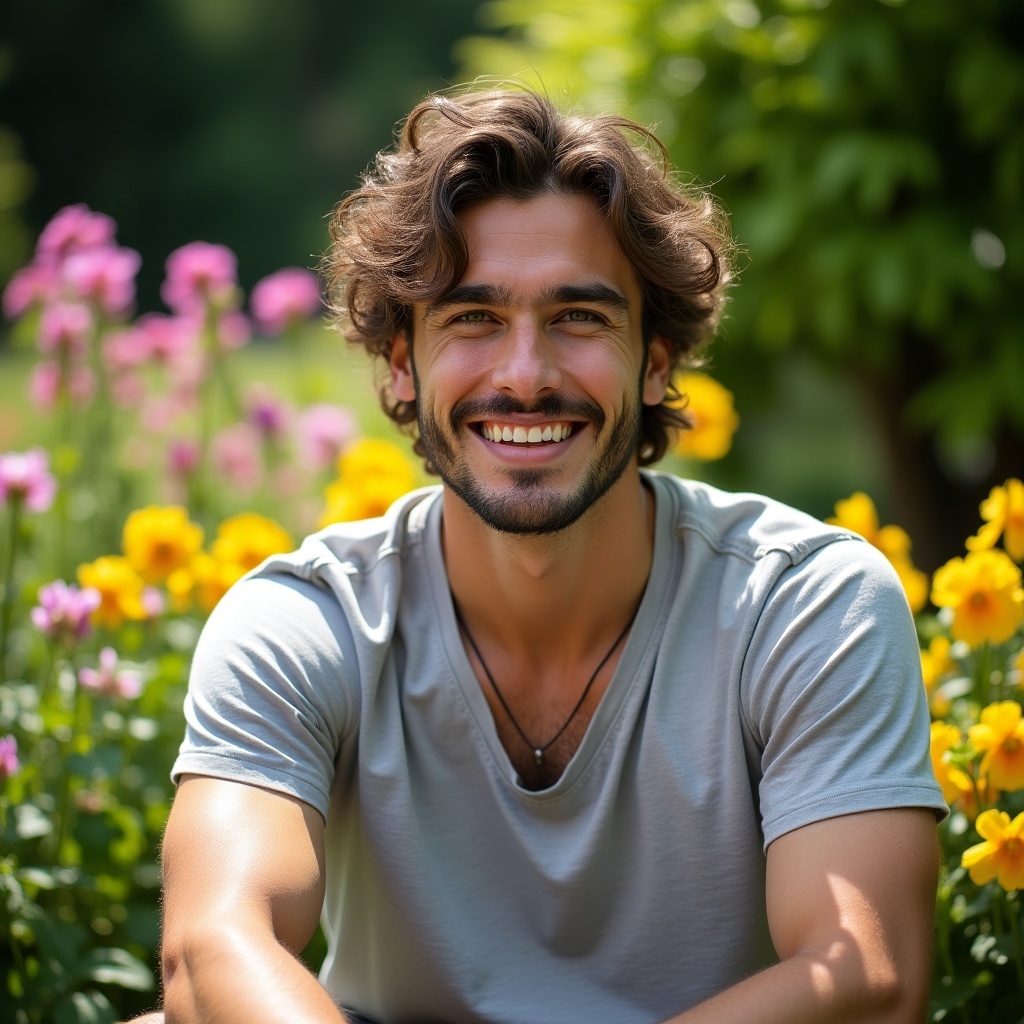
(872, 157)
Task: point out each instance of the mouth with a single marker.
(518, 434)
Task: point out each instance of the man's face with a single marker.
(530, 374)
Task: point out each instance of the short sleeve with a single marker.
(273, 689)
(833, 693)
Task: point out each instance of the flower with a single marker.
(31, 286)
(64, 327)
(373, 474)
(323, 432)
(859, 515)
(204, 581)
(49, 379)
(1000, 734)
(200, 274)
(25, 477)
(74, 229)
(984, 592)
(954, 781)
(373, 459)
(1003, 512)
(1001, 856)
(282, 298)
(710, 407)
(106, 276)
(936, 662)
(63, 611)
(237, 456)
(157, 540)
(108, 679)
(120, 588)
(247, 539)
(9, 763)
(266, 412)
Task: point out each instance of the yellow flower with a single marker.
(120, 588)
(1003, 512)
(373, 475)
(859, 515)
(365, 500)
(984, 591)
(370, 458)
(936, 662)
(247, 539)
(204, 581)
(158, 540)
(710, 406)
(954, 781)
(1001, 735)
(1001, 856)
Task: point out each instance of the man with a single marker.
(562, 739)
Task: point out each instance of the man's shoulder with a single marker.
(747, 525)
(359, 547)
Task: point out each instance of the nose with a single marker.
(527, 363)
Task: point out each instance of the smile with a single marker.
(508, 433)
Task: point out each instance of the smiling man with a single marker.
(562, 739)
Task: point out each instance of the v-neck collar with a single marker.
(646, 626)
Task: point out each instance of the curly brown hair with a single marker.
(397, 240)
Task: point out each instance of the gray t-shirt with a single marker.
(771, 679)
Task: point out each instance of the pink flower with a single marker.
(25, 477)
(9, 763)
(65, 327)
(74, 229)
(63, 611)
(237, 456)
(48, 379)
(33, 285)
(107, 680)
(323, 431)
(182, 458)
(199, 274)
(106, 276)
(267, 413)
(152, 603)
(165, 339)
(287, 296)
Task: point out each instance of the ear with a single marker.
(659, 368)
(403, 381)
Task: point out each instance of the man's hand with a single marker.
(851, 905)
(243, 887)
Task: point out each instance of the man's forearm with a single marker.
(228, 976)
(813, 988)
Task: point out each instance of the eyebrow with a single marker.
(494, 295)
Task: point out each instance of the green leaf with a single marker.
(89, 1007)
(113, 966)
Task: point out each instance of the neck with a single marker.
(549, 597)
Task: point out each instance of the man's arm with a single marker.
(851, 905)
(243, 887)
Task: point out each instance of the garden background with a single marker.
(871, 155)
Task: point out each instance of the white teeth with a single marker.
(524, 435)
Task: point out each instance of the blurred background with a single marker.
(870, 153)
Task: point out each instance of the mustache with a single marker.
(554, 406)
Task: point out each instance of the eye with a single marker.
(472, 316)
(582, 316)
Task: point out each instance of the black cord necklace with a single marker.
(539, 751)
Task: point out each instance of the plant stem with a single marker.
(984, 674)
(1018, 954)
(8, 579)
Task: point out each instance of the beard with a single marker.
(528, 506)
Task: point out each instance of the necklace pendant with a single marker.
(538, 755)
